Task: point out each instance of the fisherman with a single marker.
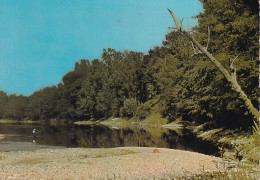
(34, 132)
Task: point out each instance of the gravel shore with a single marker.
(107, 163)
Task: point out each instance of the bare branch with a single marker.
(208, 38)
(181, 21)
(196, 50)
(233, 69)
(176, 21)
(231, 65)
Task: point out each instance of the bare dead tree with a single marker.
(231, 78)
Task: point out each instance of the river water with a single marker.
(20, 137)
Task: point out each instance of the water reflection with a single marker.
(100, 137)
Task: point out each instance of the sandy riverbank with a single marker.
(115, 163)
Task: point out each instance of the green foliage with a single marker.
(69, 90)
(42, 104)
(256, 131)
(143, 111)
(3, 103)
(112, 80)
(15, 107)
(129, 108)
(239, 175)
(233, 25)
(202, 94)
(234, 31)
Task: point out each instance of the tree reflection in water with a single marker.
(93, 136)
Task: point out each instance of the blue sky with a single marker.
(40, 40)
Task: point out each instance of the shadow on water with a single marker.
(20, 137)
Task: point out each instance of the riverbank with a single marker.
(109, 163)
(155, 121)
(228, 163)
(238, 149)
(233, 144)
(24, 121)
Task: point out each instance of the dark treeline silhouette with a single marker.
(121, 83)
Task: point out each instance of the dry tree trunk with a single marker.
(231, 78)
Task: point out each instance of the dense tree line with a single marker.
(186, 83)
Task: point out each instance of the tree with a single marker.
(129, 108)
(3, 103)
(42, 104)
(16, 106)
(230, 77)
(91, 101)
(69, 90)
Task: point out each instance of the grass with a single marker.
(8, 121)
(240, 175)
(33, 161)
(175, 125)
(234, 145)
(152, 123)
(25, 121)
(209, 134)
(117, 123)
(155, 119)
(85, 122)
(108, 153)
(251, 147)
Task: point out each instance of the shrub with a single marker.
(129, 108)
(143, 111)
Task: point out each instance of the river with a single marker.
(19, 137)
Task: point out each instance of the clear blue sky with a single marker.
(40, 40)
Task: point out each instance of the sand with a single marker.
(107, 163)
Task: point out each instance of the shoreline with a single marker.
(121, 123)
(44, 158)
(6, 121)
(126, 162)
